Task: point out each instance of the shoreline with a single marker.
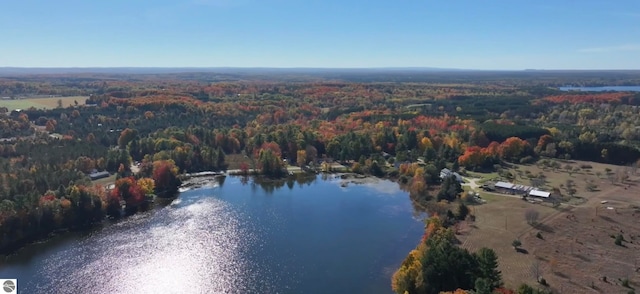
(196, 181)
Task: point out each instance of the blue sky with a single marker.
(470, 34)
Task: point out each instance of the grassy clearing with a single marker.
(235, 160)
(483, 177)
(105, 181)
(498, 223)
(47, 103)
(558, 178)
(575, 248)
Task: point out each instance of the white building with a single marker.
(445, 172)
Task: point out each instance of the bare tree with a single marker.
(531, 215)
(612, 178)
(535, 270)
(537, 182)
(621, 175)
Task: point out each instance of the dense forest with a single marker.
(379, 123)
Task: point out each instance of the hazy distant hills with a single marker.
(388, 74)
(228, 70)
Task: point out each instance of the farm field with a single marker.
(47, 103)
(587, 178)
(577, 248)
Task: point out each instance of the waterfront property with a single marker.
(445, 172)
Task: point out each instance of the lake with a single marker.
(236, 236)
(602, 89)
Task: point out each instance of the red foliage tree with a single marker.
(512, 148)
(165, 175)
(128, 190)
(473, 157)
(244, 168)
(543, 141)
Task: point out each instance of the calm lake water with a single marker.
(602, 89)
(235, 237)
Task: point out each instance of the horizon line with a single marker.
(308, 67)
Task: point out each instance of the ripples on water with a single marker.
(238, 239)
(193, 248)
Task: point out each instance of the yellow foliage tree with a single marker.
(147, 185)
(301, 157)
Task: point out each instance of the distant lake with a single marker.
(236, 236)
(602, 89)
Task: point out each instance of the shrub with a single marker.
(516, 243)
(543, 282)
(625, 282)
(531, 215)
(619, 240)
(539, 236)
(527, 160)
(586, 166)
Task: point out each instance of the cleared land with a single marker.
(47, 103)
(577, 247)
(235, 161)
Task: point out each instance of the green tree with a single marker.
(450, 189)
(463, 211)
(482, 286)
(488, 267)
(376, 170)
(270, 164)
(516, 244)
(526, 289)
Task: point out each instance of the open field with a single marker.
(105, 181)
(499, 222)
(235, 160)
(47, 103)
(576, 248)
(579, 249)
(600, 177)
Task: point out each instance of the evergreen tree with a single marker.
(488, 267)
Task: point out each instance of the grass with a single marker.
(105, 181)
(235, 161)
(576, 248)
(484, 177)
(483, 195)
(498, 223)
(46, 103)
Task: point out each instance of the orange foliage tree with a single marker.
(512, 148)
(165, 176)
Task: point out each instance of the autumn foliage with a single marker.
(165, 176)
(587, 98)
(127, 189)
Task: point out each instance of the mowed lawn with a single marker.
(46, 103)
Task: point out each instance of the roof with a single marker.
(504, 185)
(97, 174)
(538, 193)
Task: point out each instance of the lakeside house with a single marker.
(445, 172)
(96, 175)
